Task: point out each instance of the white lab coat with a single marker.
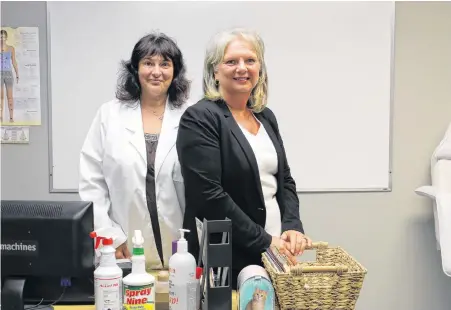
(113, 168)
(440, 193)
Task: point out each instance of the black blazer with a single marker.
(222, 180)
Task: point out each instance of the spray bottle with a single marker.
(182, 277)
(97, 245)
(99, 235)
(107, 277)
(139, 286)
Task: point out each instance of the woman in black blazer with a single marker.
(232, 156)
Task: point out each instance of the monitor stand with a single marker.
(12, 293)
(18, 293)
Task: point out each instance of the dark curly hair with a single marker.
(129, 88)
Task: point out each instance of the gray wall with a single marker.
(392, 234)
(25, 168)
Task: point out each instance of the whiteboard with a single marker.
(329, 67)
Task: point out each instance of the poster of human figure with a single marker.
(20, 77)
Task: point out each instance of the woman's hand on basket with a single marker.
(284, 248)
(297, 241)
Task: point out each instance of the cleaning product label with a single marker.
(139, 297)
(108, 293)
(182, 296)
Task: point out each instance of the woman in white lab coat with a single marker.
(128, 164)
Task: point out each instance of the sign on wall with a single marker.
(11, 134)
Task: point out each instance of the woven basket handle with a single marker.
(299, 269)
(318, 245)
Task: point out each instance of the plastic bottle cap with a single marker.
(163, 276)
(198, 272)
(108, 241)
(138, 251)
(138, 242)
(174, 247)
(138, 238)
(92, 234)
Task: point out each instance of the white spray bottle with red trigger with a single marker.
(107, 278)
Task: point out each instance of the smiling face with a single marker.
(155, 75)
(239, 70)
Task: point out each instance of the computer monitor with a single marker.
(45, 249)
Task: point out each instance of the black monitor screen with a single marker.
(46, 239)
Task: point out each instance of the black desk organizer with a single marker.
(219, 257)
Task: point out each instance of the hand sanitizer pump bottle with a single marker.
(182, 277)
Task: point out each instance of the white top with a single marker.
(266, 156)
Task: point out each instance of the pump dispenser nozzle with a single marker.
(182, 244)
(182, 233)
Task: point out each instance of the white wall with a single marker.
(329, 66)
(391, 234)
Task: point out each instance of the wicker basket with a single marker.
(332, 282)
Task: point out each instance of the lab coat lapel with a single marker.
(168, 135)
(134, 125)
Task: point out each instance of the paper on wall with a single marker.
(20, 76)
(15, 135)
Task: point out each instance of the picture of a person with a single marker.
(8, 61)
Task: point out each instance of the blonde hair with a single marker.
(215, 54)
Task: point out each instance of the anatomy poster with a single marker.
(20, 76)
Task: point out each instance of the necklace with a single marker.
(154, 112)
(160, 117)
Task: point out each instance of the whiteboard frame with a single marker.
(49, 110)
(317, 190)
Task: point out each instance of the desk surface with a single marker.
(160, 305)
(162, 302)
